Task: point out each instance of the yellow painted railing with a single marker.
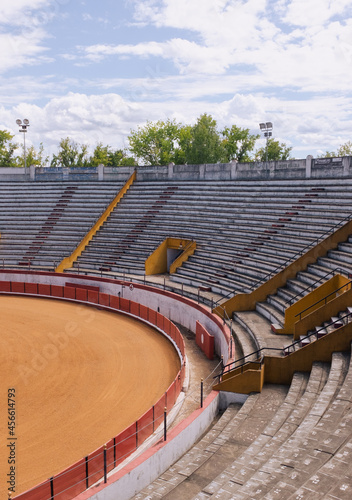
(280, 369)
(156, 263)
(244, 380)
(307, 304)
(247, 301)
(324, 312)
(68, 261)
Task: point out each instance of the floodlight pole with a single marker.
(23, 129)
(267, 129)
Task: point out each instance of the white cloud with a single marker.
(22, 32)
(316, 125)
(243, 61)
(229, 34)
(315, 12)
(20, 12)
(187, 56)
(22, 49)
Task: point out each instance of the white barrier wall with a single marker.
(130, 480)
(284, 169)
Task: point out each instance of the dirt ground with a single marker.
(79, 375)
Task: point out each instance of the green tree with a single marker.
(100, 155)
(205, 145)
(238, 143)
(274, 151)
(162, 142)
(106, 156)
(70, 154)
(34, 157)
(343, 150)
(156, 143)
(7, 150)
(120, 158)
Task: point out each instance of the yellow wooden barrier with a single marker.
(247, 301)
(311, 301)
(244, 380)
(68, 261)
(280, 370)
(189, 250)
(156, 263)
(325, 312)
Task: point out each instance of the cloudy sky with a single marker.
(95, 69)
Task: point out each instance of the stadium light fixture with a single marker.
(267, 129)
(23, 128)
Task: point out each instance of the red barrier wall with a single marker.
(125, 443)
(167, 326)
(104, 299)
(160, 321)
(38, 493)
(145, 426)
(134, 308)
(152, 316)
(69, 292)
(5, 286)
(81, 294)
(159, 408)
(114, 302)
(143, 312)
(43, 289)
(95, 465)
(204, 340)
(78, 285)
(110, 455)
(72, 481)
(57, 291)
(17, 286)
(124, 304)
(93, 296)
(171, 396)
(30, 288)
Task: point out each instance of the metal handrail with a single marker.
(257, 353)
(292, 259)
(321, 300)
(286, 350)
(337, 269)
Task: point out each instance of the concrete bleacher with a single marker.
(232, 434)
(41, 223)
(280, 444)
(243, 230)
(283, 442)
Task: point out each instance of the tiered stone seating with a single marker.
(41, 223)
(244, 230)
(232, 434)
(300, 446)
(278, 443)
(316, 274)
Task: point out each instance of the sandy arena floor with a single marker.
(80, 376)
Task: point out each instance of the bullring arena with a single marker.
(76, 368)
(110, 278)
